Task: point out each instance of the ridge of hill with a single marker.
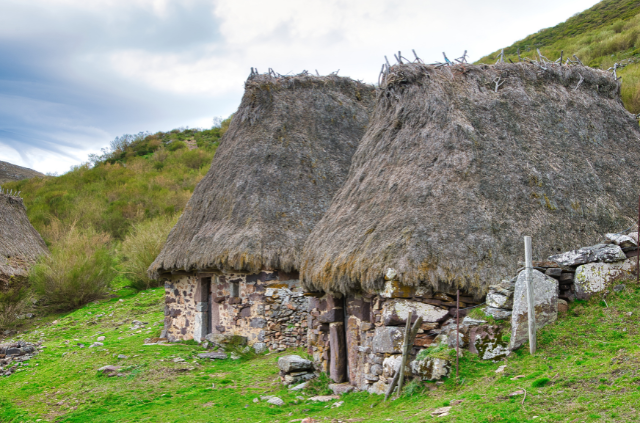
(600, 36)
(10, 172)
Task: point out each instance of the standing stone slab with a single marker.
(395, 312)
(545, 291)
(595, 277)
(597, 253)
(486, 341)
(388, 340)
(431, 368)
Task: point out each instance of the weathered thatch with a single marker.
(286, 152)
(20, 243)
(451, 174)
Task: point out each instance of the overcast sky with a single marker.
(74, 74)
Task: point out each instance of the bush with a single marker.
(14, 301)
(78, 270)
(539, 383)
(195, 159)
(141, 247)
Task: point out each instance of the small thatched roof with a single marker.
(451, 175)
(20, 243)
(286, 152)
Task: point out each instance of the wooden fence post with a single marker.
(530, 296)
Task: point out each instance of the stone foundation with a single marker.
(268, 307)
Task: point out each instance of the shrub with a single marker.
(78, 270)
(176, 145)
(539, 383)
(14, 300)
(195, 159)
(141, 247)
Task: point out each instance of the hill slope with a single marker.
(605, 34)
(586, 369)
(10, 172)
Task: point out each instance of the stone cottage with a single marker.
(231, 263)
(20, 244)
(457, 165)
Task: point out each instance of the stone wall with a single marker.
(374, 331)
(268, 307)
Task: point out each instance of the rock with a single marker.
(545, 290)
(256, 400)
(505, 288)
(101, 338)
(294, 363)
(275, 401)
(388, 340)
(501, 369)
(109, 370)
(376, 369)
(624, 241)
(595, 277)
(597, 253)
(300, 386)
(441, 412)
(619, 288)
(391, 274)
(497, 313)
(122, 356)
(220, 339)
(431, 368)
(486, 341)
(563, 307)
(214, 355)
(259, 347)
(451, 341)
(396, 311)
(497, 300)
(96, 344)
(370, 378)
(469, 321)
(554, 272)
(341, 388)
(309, 420)
(324, 398)
(291, 379)
(258, 322)
(394, 289)
(378, 388)
(391, 364)
(337, 404)
(178, 360)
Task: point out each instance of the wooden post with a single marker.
(457, 330)
(405, 349)
(530, 298)
(405, 353)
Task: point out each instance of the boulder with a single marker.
(391, 364)
(341, 388)
(259, 347)
(294, 363)
(505, 287)
(295, 379)
(595, 277)
(300, 387)
(486, 341)
(388, 340)
(109, 370)
(275, 401)
(497, 313)
(545, 290)
(220, 339)
(606, 253)
(497, 300)
(396, 311)
(378, 388)
(624, 241)
(431, 368)
(563, 307)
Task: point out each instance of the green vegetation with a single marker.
(586, 369)
(109, 216)
(607, 33)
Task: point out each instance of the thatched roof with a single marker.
(20, 243)
(451, 175)
(286, 152)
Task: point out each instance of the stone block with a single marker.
(595, 277)
(545, 291)
(486, 341)
(359, 308)
(330, 316)
(497, 300)
(391, 364)
(497, 313)
(606, 253)
(258, 322)
(554, 272)
(624, 241)
(259, 347)
(341, 388)
(294, 363)
(431, 368)
(395, 289)
(388, 340)
(378, 388)
(396, 311)
(221, 340)
(213, 355)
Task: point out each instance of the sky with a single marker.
(75, 74)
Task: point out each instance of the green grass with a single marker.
(586, 369)
(607, 33)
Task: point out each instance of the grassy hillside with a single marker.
(586, 369)
(607, 33)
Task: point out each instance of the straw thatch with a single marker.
(451, 174)
(286, 152)
(20, 243)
